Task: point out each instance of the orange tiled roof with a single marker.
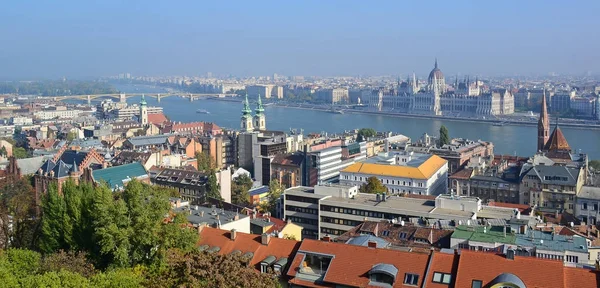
(444, 263)
(424, 171)
(351, 264)
(576, 277)
(248, 243)
(534, 272)
(157, 118)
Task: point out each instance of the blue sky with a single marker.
(76, 39)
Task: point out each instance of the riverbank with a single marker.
(446, 118)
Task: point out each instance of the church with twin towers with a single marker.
(256, 122)
(436, 97)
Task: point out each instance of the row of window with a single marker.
(303, 220)
(358, 212)
(301, 209)
(385, 181)
(340, 221)
(301, 199)
(594, 207)
(332, 231)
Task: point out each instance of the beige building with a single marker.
(266, 91)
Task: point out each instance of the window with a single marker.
(584, 206)
(402, 235)
(411, 279)
(477, 284)
(443, 278)
(595, 207)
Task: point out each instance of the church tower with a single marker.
(246, 123)
(143, 111)
(543, 125)
(259, 117)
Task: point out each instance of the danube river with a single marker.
(508, 139)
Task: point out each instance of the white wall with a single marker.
(242, 225)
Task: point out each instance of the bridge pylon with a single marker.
(191, 98)
(89, 100)
(122, 98)
(158, 97)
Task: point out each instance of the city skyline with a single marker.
(79, 40)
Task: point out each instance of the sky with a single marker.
(81, 39)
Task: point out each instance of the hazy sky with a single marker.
(50, 39)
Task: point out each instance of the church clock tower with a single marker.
(143, 111)
(259, 117)
(246, 123)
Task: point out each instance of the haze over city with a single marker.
(78, 39)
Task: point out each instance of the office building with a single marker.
(335, 209)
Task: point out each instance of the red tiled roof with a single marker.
(576, 277)
(557, 141)
(351, 264)
(534, 272)
(248, 243)
(444, 263)
(157, 118)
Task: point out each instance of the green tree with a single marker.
(444, 136)
(275, 191)
(205, 162)
(595, 165)
(71, 136)
(20, 262)
(123, 277)
(52, 236)
(364, 133)
(373, 185)
(201, 269)
(212, 187)
(17, 201)
(63, 278)
(239, 190)
(20, 152)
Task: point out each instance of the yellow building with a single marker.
(401, 172)
(263, 223)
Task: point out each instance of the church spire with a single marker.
(543, 125)
(259, 108)
(246, 110)
(143, 101)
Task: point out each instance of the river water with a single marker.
(508, 139)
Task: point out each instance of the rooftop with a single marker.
(416, 169)
(587, 192)
(117, 176)
(210, 216)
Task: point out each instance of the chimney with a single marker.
(232, 234)
(378, 197)
(372, 244)
(326, 238)
(265, 238)
(202, 213)
(236, 217)
(504, 229)
(556, 214)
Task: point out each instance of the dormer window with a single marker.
(383, 275)
(265, 264)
